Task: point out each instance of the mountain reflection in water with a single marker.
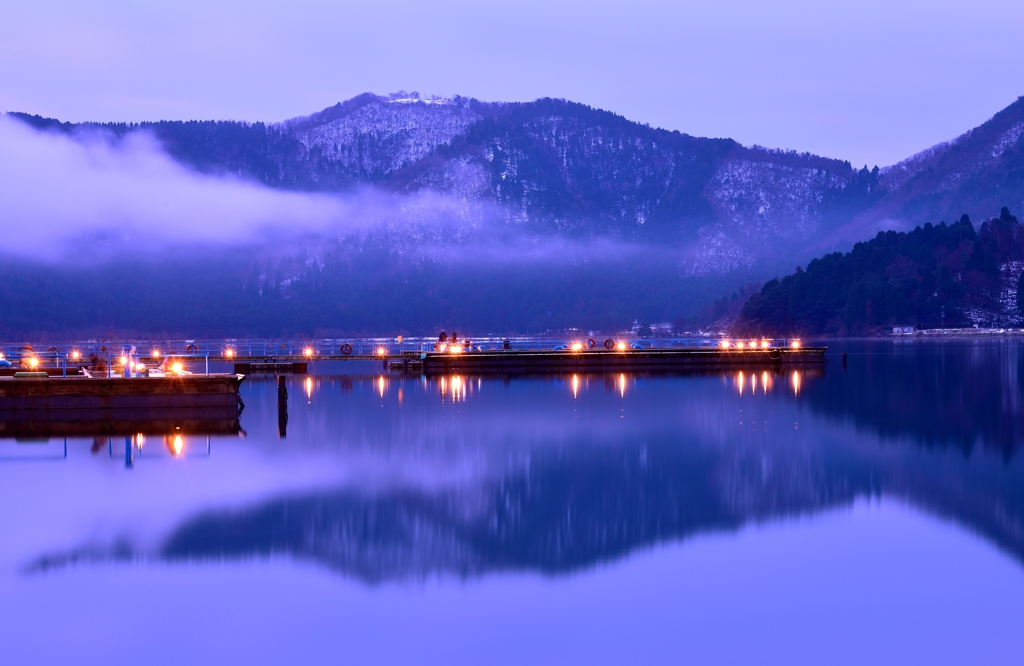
(558, 474)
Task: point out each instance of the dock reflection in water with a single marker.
(463, 480)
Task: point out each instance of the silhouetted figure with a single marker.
(443, 337)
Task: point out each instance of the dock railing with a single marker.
(234, 350)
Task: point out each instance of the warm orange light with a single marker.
(725, 344)
(621, 346)
(124, 360)
(739, 345)
(764, 382)
(308, 351)
(76, 355)
(309, 387)
(177, 368)
(796, 383)
(739, 381)
(577, 346)
(575, 385)
(764, 344)
(795, 344)
(156, 353)
(458, 389)
(178, 445)
(140, 440)
(455, 349)
(229, 352)
(33, 362)
(622, 385)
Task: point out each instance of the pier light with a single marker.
(1, 356)
(33, 362)
(621, 346)
(76, 355)
(795, 344)
(725, 344)
(176, 368)
(156, 353)
(739, 345)
(229, 352)
(764, 344)
(455, 349)
(381, 351)
(124, 360)
(577, 346)
(308, 351)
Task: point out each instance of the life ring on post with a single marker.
(346, 349)
(609, 344)
(191, 349)
(591, 343)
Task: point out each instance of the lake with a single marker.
(866, 514)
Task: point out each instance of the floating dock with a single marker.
(530, 361)
(78, 392)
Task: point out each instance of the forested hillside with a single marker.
(933, 275)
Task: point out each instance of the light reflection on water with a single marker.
(609, 486)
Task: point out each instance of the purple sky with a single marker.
(872, 81)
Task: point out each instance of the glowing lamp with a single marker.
(725, 344)
(156, 353)
(381, 351)
(75, 355)
(176, 368)
(33, 362)
(124, 360)
(308, 351)
(764, 344)
(795, 344)
(577, 346)
(621, 346)
(229, 352)
(739, 345)
(455, 349)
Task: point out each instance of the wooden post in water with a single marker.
(282, 407)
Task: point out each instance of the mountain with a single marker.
(549, 167)
(698, 217)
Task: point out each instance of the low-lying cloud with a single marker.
(95, 197)
(60, 192)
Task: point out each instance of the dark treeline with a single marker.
(365, 292)
(894, 279)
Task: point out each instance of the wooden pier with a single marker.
(433, 363)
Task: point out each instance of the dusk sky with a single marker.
(872, 81)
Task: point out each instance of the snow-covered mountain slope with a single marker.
(556, 168)
(373, 136)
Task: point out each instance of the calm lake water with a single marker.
(873, 514)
